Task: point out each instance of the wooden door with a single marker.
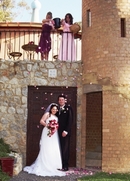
(39, 97)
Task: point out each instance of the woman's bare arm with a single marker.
(45, 20)
(44, 118)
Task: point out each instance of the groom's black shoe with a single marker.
(65, 169)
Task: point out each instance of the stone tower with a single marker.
(106, 68)
(36, 5)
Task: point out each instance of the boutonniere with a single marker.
(62, 108)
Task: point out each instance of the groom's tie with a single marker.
(60, 110)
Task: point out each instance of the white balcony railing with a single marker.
(11, 42)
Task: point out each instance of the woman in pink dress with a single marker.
(67, 46)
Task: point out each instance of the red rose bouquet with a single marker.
(52, 126)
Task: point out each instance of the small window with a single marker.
(88, 18)
(123, 27)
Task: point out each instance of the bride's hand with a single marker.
(47, 125)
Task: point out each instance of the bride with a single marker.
(48, 161)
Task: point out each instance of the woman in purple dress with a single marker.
(45, 40)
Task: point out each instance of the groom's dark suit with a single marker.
(65, 119)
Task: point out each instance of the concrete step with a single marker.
(94, 155)
(94, 159)
(93, 163)
(98, 149)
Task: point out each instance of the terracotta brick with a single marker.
(106, 60)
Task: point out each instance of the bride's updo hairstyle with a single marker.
(53, 105)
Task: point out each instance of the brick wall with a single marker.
(106, 61)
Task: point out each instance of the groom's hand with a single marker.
(64, 133)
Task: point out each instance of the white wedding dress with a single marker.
(49, 158)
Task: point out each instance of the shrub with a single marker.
(4, 149)
(4, 176)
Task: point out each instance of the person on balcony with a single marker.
(45, 40)
(67, 45)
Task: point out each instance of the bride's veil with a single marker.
(48, 108)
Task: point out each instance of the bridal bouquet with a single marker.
(52, 126)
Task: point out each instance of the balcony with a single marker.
(18, 41)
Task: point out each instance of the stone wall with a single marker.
(14, 79)
(106, 61)
(18, 166)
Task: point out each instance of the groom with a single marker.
(65, 119)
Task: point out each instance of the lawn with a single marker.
(102, 176)
(4, 176)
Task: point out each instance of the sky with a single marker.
(58, 8)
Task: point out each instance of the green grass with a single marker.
(106, 177)
(4, 176)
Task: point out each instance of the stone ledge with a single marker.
(17, 163)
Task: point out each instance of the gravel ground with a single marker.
(72, 175)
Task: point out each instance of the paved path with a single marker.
(72, 175)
